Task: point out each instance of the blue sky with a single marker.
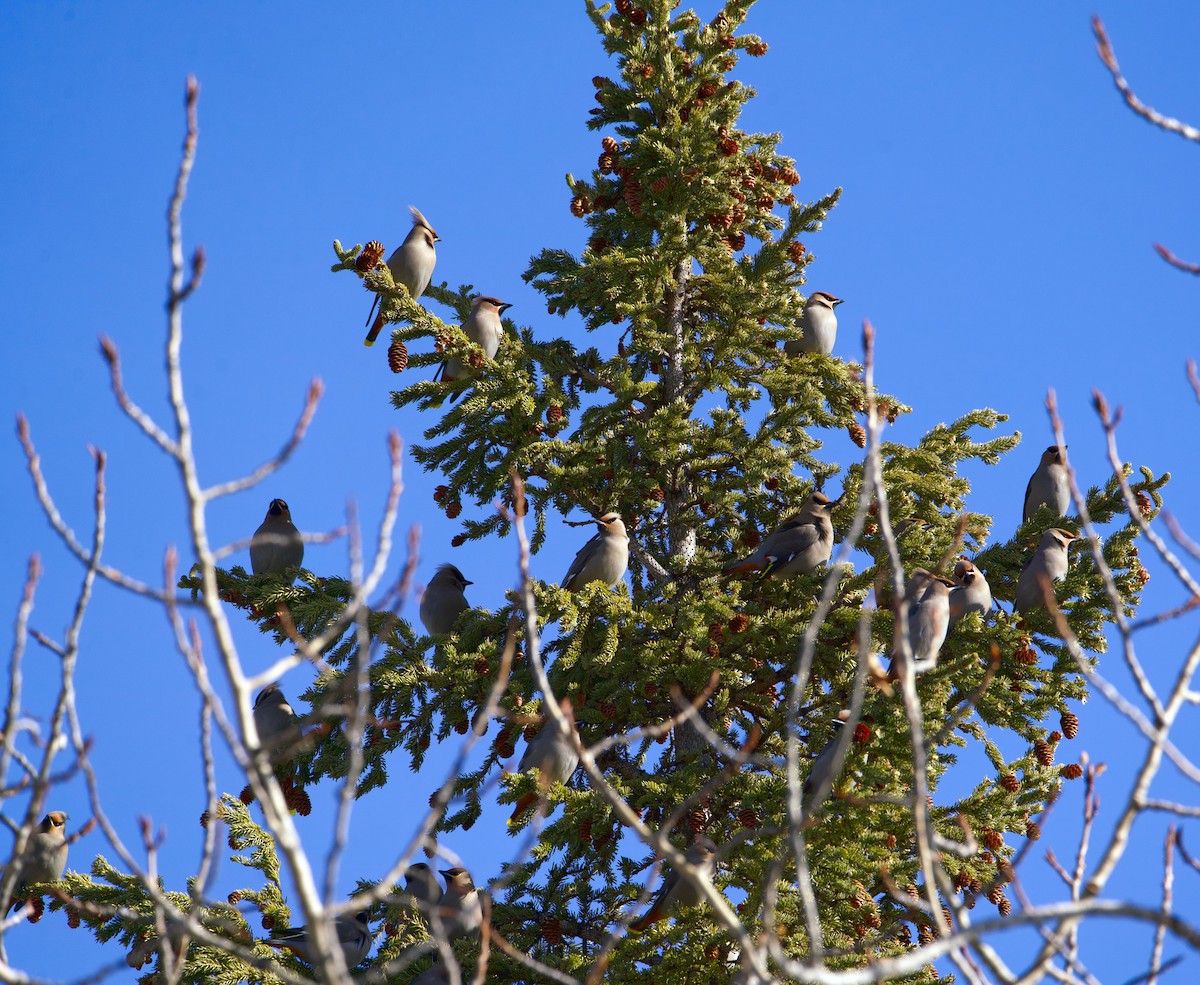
(996, 226)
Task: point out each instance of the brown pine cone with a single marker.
(369, 258)
(1069, 723)
(858, 434)
(482, 666)
(1043, 752)
(440, 493)
(728, 146)
(796, 251)
(749, 818)
(604, 163)
(862, 734)
(552, 931)
(1033, 830)
(453, 509)
(610, 145)
(739, 623)
(397, 356)
(757, 49)
(1010, 782)
(1072, 771)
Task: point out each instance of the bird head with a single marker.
(419, 221)
(279, 507)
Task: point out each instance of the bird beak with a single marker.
(504, 308)
(465, 582)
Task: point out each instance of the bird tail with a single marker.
(745, 566)
(376, 328)
(653, 915)
(524, 802)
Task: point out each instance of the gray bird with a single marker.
(1049, 485)
(821, 771)
(928, 623)
(459, 910)
(677, 893)
(799, 546)
(553, 756)
(279, 729)
(44, 857)
(276, 545)
(422, 887)
(971, 593)
(818, 325)
(603, 558)
(484, 328)
(1049, 562)
(444, 601)
(353, 934)
(411, 264)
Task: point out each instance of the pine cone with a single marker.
(579, 206)
(1143, 575)
(458, 540)
(728, 146)
(482, 666)
(453, 509)
(608, 709)
(552, 931)
(1145, 504)
(1069, 723)
(728, 42)
(757, 49)
(858, 434)
(604, 163)
(1025, 654)
(610, 145)
(72, 918)
(397, 356)
(749, 818)
(585, 830)
(1054, 738)
(772, 483)
(1072, 771)
(599, 81)
(1010, 782)
(1033, 830)
(637, 16)
(994, 893)
(369, 258)
(650, 690)
(993, 839)
(739, 623)
(1043, 752)
(862, 734)
(440, 493)
(737, 241)
(796, 251)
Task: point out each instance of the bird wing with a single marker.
(581, 560)
(797, 541)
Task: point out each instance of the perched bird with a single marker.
(818, 325)
(971, 593)
(278, 726)
(822, 766)
(444, 601)
(459, 911)
(353, 934)
(483, 327)
(422, 887)
(676, 892)
(44, 857)
(1049, 562)
(553, 756)
(411, 264)
(928, 623)
(1049, 485)
(603, 558)
(882, 582)
(276, 544)
(799, 546)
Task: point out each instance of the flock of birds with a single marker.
(800, 545)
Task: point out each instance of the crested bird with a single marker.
(1049, 563)
(677, 893)
(553, 755)
(444, 601)
(44, 857)
(411, 264)
(818, 325)
(483, 327)
(1050, 484)
(971, 593)
(353, 935)
(799, 545)
(603, 558)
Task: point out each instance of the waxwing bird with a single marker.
(459, 910)
(818, 325)
(882, 582)
(276, 545)
(971, 593)
(44, 857)
(279, 729)
(1049, 485)
(411, 264)
(422, 887)
(603, 558)
(444, 601)
(823, 765)
(676, 892)
(553, 755)
(484, 328)
(1049, 562)
(799, 546)
(928, 623)
(353, 934)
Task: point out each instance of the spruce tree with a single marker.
(682, 412)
